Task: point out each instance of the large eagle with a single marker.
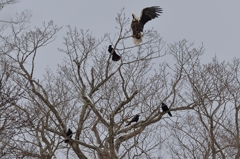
(137, 25)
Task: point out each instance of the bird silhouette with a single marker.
(134, 119)
(138, 23)
(166, 109)
(115, 56)
(69, 134)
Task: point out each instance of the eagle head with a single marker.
(134, 17)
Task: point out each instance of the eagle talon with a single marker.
(139, 36)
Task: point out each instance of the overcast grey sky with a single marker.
(216, 23)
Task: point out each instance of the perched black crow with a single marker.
(134, 119)
(69, 134)
(115, 56)
(165, 109)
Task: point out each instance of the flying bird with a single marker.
(137, 25)
(115, 56)
(166, 109)
(69, 134)
(134, 119)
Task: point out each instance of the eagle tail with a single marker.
(137, 38)
(137, 41)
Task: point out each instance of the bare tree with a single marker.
(96, 97)
(212, 129)
(10, 92)
(4, 3)
(10, 116)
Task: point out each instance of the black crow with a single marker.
(69, 134)
(115, 56)
(134, 119)
(166, 109)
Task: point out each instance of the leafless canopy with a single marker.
(96, 97)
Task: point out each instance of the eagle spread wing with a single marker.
(149, 13)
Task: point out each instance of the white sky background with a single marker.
(216, 24)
